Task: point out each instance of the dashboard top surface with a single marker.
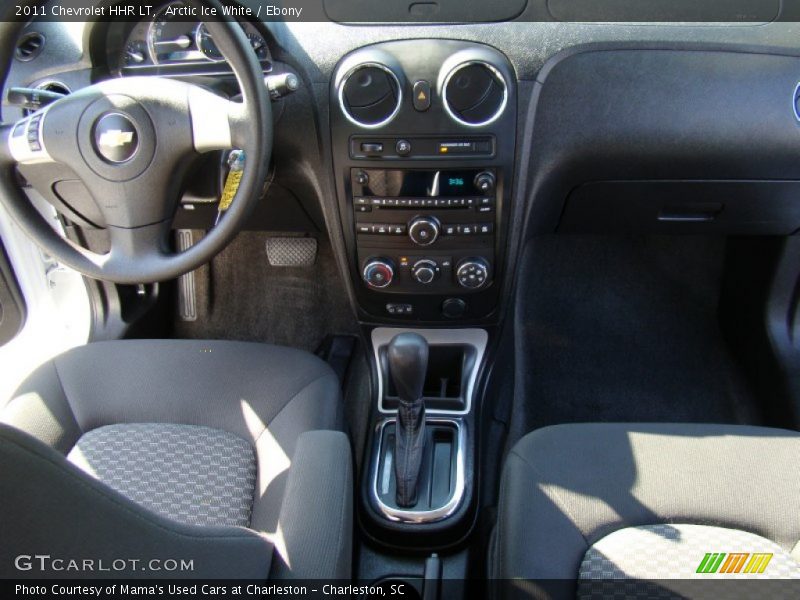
(316, 46)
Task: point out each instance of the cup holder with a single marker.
(449, 369)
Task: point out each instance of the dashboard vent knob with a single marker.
(370, 95)
(475, 94)
(29, 46)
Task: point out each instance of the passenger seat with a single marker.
(588, 503)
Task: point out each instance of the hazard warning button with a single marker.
(422, 95)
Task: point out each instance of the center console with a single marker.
(448, 387)
(423, 137)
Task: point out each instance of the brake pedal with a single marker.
(291, 251)
(187, 286)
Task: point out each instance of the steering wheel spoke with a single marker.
(240, 125)
(130, 247)
(213, 119)
(217, 123)
(23, 142)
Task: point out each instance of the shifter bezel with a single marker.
(410, 515)
(442, 522)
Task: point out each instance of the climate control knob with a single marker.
(472, 273)
(378, 273)
(424, 271)
(423, 231)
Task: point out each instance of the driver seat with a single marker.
(228, 456)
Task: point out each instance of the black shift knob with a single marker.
(408, 363)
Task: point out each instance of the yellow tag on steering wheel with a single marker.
(236, 162)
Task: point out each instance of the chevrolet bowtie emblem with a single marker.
(115, 138)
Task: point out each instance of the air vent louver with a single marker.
(475, 94)
(370, 95)
(30, 46)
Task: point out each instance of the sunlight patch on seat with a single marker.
(278, 461)
(279, 544)
(78, 458)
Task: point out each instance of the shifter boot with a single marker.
(408, 362)
(408, 450)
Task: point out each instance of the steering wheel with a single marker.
(130, 141)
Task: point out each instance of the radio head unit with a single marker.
(425, 231)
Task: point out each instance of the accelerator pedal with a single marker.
(291, 251)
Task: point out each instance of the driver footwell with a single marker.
(240, 296)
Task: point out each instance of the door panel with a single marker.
(12, 305)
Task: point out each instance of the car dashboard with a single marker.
(426, 152)
(427, 156)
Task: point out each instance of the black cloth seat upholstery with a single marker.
(226, 454)
(611, 500)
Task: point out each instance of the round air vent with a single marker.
(370, 95)
(475, 94)
(29, 46)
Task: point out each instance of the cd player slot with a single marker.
(416, 203)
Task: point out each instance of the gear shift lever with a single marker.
(408, 363)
